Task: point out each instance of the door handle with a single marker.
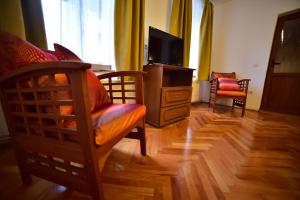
(274, 62)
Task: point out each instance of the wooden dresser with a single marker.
(168, 91)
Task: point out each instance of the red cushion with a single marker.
(228, 84)
(97, 94)
(231, 93)
(65, 54)
(15, 52)
(54, 53)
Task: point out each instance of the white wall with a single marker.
(242, 38)
(156, 15)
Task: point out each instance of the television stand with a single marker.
(168, 91)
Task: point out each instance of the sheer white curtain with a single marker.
(83, 26)
(197, 10)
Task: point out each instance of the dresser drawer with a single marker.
(175, 95)
(174, 113)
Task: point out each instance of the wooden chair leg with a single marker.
(213, 102)
(140, 135)
(102, 160)
(142, 140)
(243, 110)
(98, 195)
(244, 107)
(25, 175)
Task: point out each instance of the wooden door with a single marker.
(282, 85)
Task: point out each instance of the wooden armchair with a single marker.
(71, 156)
(238, 93)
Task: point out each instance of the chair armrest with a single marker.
(244, 83)
(46, 67)
(241, 80)
(213, 80)
(121, 85)
(121, 73)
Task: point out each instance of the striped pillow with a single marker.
(228, 84)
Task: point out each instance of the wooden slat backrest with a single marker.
(36, 123)
(123, 87)
(221, 74)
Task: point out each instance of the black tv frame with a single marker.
(167, 49)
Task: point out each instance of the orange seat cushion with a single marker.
(112, 120)
(231, 93)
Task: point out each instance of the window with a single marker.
(197, 10)
(83, 26)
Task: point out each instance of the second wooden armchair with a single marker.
(225, 85)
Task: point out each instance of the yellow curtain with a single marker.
(205, 41)
(24, 18)
(129, 34)
(181, 25)
(34, 22)
(11, 18)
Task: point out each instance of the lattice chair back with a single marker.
(229, 87)
(124, 86)
(37, 101)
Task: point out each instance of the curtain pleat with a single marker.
(129, 34)
(181, 25)
(24, 19)
(11, 18)
(205, 41)
(34, 22)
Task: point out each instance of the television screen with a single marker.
(164, 48)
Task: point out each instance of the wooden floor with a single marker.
(206, 156)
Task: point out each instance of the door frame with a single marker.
(276, 37)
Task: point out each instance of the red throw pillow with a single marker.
(97, 94)
(15, 52)
(53, 53)
(63, 53)
(228, 84)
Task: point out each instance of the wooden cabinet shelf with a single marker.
(168, 91)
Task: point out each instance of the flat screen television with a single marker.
(164, 48)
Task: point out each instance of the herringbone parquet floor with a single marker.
(206, 156)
